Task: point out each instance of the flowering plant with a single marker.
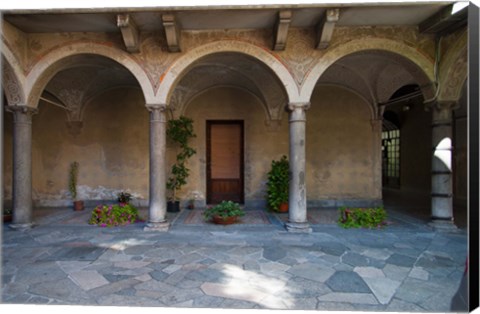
(223, 210)
(362, 217)
(113, 215)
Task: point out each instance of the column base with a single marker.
(157, 226)
(21, 227)
(300, 227)
(445, 225)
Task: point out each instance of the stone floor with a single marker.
(405, 267)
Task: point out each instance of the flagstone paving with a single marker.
(404, 267)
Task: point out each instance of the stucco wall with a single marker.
(262, 143)
(112, 150)
(339, 145)
(340, 150)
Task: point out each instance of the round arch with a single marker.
(172, 76)
(411, 55)
(454, 70)
(61, 58)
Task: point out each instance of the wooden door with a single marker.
(224, 161)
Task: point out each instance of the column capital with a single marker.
(22, 114)
(153, 107)
(298, 105)
(22, 109)
(157, 112)
(442, 105)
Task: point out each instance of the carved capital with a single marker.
(442, 105)
(298, 105)
(157, 112)
(297, 111)
(22, 114)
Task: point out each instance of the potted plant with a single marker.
(124, 198)
(72, 185)
(7, 214)
(191, 204)
(224, 213)
(179, 131)
(277, 185)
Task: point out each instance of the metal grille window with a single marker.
(391, 154)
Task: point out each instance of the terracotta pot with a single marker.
(224, 221)
(283, 208)
(7, 218)
(78, 205)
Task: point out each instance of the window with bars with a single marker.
(391, 155)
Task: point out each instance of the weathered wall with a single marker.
(262, 143)
(340, 149)
(113, 147)
(337, 173)
(112, 150)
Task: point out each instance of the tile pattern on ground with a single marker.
(252, 217)
(401, 268)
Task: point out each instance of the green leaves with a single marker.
(362, 217)
(223, 210)
(180, 131)
(72, 182)
(113, 215)
(277, 184)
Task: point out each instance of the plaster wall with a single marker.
(339, 145)
(262, 143)
(340, 150)
(112, 150)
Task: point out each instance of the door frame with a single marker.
(209, 123)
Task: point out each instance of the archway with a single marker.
(219, 90)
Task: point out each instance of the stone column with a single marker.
(158, 202)
(442, 205)
(22, 166)
(297, 217)
(377, 158)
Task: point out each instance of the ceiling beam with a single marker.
(281, 30)
(444, 21)
(172, 32)
(325, 28)
(129, 32)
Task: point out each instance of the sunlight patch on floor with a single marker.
(253, 287)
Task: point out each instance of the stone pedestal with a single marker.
(158, 201)
(157, 226)
(22, 166)
(297, 218)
